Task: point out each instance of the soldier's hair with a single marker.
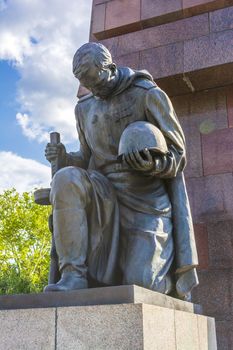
(94, 52)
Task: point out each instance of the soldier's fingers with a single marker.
(148, 155)
(47, 146)
(136, 165)
(133, 161)
(143, 164)
(139, 159)
(126, 160)
(60, 146)
(51, 151)
(130, 160)
(123, 159)
(52, 147)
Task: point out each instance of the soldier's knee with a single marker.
(61, 178)
(69, 183)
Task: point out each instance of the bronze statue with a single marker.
(122, 218)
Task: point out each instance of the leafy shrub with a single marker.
(24, 243)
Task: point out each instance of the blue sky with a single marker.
(37, 89)
(12, 138)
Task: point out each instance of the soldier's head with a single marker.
(94, 68)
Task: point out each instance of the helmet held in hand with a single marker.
(141, 135)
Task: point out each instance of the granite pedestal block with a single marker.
(148, 321)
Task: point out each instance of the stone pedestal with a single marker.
(130, 325)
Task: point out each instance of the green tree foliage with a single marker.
(24, 243)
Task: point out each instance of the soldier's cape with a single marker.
(163, 114)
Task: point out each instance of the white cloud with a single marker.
(21, 173)
(30, 129)
(40, 37)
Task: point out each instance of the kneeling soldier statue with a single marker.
(120, 208)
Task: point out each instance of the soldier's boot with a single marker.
(71, 240)
(70, 280)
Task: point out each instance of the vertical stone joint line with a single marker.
(175, 327)
(143, 327)
(209, 23)
(55, 335)
(105, 14)
(141, 14)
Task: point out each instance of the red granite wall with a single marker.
(188, 47)
(206, 117)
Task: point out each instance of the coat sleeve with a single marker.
(160, 112)
(82, 157)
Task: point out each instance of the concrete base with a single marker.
(124, 326)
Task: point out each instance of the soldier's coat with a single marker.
(137, 211)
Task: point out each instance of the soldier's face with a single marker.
(96, 79)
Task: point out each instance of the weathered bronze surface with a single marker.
(122, 220)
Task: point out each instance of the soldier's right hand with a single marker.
(53, 151)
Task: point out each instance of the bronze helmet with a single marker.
(140, 135)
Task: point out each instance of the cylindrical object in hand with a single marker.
(54, 139)
(54, 274)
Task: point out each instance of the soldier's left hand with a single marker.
(135, 160)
